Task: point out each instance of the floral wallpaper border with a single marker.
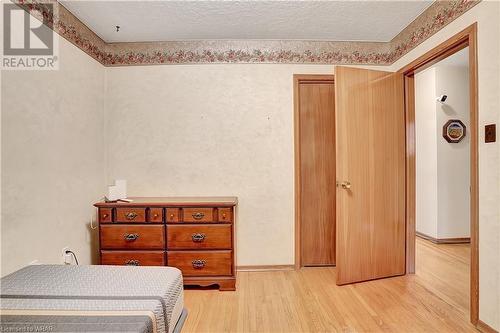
(433, 19)
(436, 17)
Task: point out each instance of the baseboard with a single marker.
(262, 268)
(485, 328)
(444, 240)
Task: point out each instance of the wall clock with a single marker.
(454, 131)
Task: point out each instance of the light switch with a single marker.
(490, 133)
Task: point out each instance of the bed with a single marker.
(59, 298)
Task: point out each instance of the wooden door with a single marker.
(370, 174)
(316, 133)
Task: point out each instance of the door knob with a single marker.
(346, 185)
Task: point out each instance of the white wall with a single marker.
(426, 214)
(487, 15)
(453, 167)
(52, 159)
(443, 169)
(211, 130)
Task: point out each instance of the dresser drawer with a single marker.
(132, 237)
(172, 215)
(155, 215)
(133, 258)
(105, 215)
(225, 214)
(200, 263)
(197, 215)
(130, 215)
(185, 237)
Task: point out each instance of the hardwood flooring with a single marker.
(435, 299)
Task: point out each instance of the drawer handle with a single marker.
(130, 237)
(198, 216)
(198, 263)
(132, 262)
(104, 216)
(198, 238)
(131, 215)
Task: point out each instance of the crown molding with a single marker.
(433, 19)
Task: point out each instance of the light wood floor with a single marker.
(435, 299)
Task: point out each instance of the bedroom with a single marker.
(202, 106)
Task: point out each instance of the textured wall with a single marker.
(211, 130)
(52, 159)
(487, 15)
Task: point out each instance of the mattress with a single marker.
(93, 298)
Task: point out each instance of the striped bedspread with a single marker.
(91, 298)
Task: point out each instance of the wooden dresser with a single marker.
(195, 235)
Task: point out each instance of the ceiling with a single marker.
(373, 20)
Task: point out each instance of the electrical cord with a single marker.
(73, 254)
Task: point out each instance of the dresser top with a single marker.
(172, 201)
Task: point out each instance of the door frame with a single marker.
(463, 39)
(297, 80)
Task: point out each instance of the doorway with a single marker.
(315, 170)
(442, 117)
(466, 39)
